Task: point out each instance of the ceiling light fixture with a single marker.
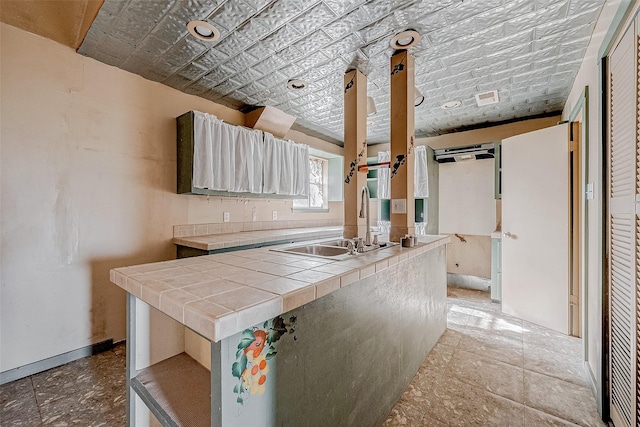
(418, 97)
(296, 84)
(371, 106)
(450, 105)
(203, 30)
(405, 39)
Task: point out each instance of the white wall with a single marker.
(589, 76)
(88, 172)
(467, 204)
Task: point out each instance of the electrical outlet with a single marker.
(225, 217)
(274, 215)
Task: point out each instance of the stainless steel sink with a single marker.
(320, 250)
(335, 249)
(343, 243)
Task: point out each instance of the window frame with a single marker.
(325, 190)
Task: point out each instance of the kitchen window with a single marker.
(318, 188)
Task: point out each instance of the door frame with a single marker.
(578, 126)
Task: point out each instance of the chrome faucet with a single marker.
(366, 197)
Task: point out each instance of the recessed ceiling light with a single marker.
(405, 39)
(450, 105)
(296, 84)
(203, 30)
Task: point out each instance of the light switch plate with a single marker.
(225, 217)
(589, 191)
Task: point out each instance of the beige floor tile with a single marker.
(459, 404)
(18, 405)
(451, 337)
(404, 414)
(493, 346)
(545, 360)
(488, 374)
(562, 399)
(538, 335)
(535, 418)
(475, 374)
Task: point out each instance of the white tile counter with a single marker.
(219, 295)
(244, 238)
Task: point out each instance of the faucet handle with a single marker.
(375, 239)
(360, 244)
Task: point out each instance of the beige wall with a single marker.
(88, 171)
(468, 208)
(467, 201)
(471, 257)
(589, 76)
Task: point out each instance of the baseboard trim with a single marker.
(54, 362)
(468, 282)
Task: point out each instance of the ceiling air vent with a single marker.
(487, 98)
(457, 154)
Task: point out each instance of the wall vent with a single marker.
(487, 98)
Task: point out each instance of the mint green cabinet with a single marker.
(496, 269)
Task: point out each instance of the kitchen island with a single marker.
(263, 337)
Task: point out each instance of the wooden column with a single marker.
(355, 151)
(402, 140)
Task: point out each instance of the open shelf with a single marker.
(177, 391)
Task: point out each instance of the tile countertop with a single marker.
(227, 240)
(220, 295)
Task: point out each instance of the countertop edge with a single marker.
(217, 327)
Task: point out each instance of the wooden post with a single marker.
(355, 151)
(402, 140)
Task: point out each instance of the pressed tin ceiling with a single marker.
(527, 50)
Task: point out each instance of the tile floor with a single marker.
(86, 392)
(488, 369)
(491, 369)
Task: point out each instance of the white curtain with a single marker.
(421, 174)
(249, 161)
(287, 167)
(384, 180)
(226, 157)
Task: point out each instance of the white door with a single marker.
(535, 225)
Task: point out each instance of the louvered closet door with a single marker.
(623, 229)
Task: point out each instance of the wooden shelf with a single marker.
(177, 391)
